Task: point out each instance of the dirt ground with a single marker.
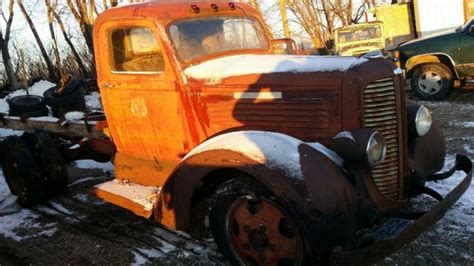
(79, 229)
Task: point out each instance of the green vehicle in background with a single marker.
(433, 63)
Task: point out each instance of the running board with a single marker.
(139, 199)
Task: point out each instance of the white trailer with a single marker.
(433, 16)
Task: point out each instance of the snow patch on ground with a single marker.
(4, 132)
(76, 115)
(468, 124)
(12, 225)
(239, 65)
(93, 101)
(37, 89)
(91, 164)
(143, 256)
(460, 217)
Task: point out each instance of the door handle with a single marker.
(109, 85)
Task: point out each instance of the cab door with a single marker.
(139, 97)
(467, 50)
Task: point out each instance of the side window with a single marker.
(135, 49)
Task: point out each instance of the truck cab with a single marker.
(293, 156)
(359, 39)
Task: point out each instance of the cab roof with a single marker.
(165, 10)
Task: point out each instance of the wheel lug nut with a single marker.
(262, 228)
(246, 228)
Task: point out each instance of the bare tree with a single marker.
(78, 58)
(7, 61)
(53, 38)
(83, 12)
(319, 18)
(47, 60)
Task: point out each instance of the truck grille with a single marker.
(380, 113)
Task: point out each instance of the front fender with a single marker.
(427, 153)
(309, 184)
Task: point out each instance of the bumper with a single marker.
(410, 229)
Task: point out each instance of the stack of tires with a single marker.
(71, 98)
(33, 167)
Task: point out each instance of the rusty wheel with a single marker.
(253, 229)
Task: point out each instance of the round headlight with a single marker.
(423, 121)
(376, 149)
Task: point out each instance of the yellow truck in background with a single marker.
(393, 26)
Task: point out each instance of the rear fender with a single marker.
(306, 181)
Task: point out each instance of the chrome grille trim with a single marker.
(380, 113)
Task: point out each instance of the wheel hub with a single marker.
(261, 233)
(430, 82)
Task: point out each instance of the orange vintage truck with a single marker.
(296, 159)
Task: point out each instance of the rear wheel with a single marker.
(431, 81)
(22, 174)
(252, 228)
(50, 160)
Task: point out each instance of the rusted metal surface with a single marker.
(381, 114)
(379, 249)
(263, 234)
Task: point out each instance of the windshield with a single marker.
(196, 38)
(359, 34)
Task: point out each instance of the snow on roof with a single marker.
(238, 65)
(275, 150)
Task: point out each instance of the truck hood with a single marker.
(213, 71)
(448, 34)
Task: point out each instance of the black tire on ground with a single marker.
(61, 104)
(72, 86)
(48, 157)
(31, 105)
(55, 100)
(22, 174)
(431, 81)
(244, 195)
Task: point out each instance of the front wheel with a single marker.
(251, 227)
(431, 81)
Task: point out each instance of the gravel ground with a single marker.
(78, 229)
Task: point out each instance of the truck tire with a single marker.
(22, 174)
(71, 99)
(32, 105)
(431, 81)
(251, 227)
(50, 160)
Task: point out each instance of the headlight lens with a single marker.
(423, 121)
(376, 149)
